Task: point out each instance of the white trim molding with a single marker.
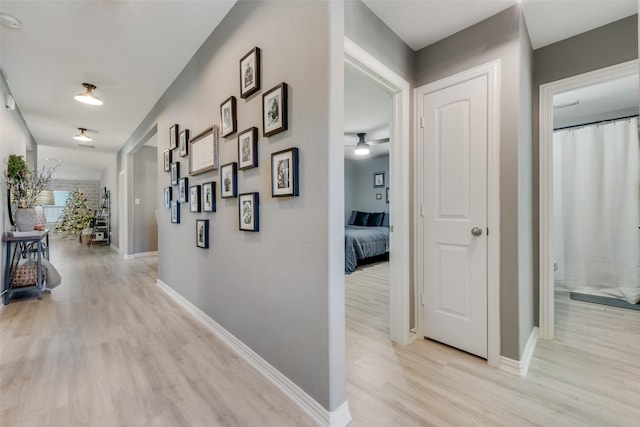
(521, 367)
(322, 417)
(359, 60)
(145, 254)
(547, 91)
(492, 71)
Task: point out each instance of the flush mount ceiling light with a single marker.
(82, 136)
(10, 21)
(88, 97)
(362, 149)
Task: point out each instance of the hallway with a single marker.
(109, 348)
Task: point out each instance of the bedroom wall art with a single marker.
(167, 197)
(183, 184)
(209, 196)
(194, 198)
(284, 173)
(173, 137)
(274, 110)
(175, 173)
(248, 204)
(202, 233)
(229, 180)
(248, 149)
(167, 160)
(204, 151)
(228, 119)
(175, 212)
(250, 73)
(183, 144)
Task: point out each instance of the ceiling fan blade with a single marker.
(377, 141)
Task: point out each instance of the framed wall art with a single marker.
(183, 145)
(228, 120)
(250, 73)
(209, 197)
(175, 212)
(173, 137)
(167, 197)
(202, 233)
(378, 179)
(274, 110)
(167, 160)
(229, 180)
(175, 173)
(284, 173)
(194, 198)
(183, 184)
(248, 204)
(248, 149)
(203, 154)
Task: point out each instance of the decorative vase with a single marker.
(25, 219)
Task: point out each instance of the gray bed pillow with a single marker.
(361, 219)
(385, 220)
(353, 218)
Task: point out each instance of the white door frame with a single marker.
(122, 214)
(547, 91)
(399, 132)
(492, 71)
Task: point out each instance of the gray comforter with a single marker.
(363, 242)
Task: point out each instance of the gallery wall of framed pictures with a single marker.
(202, 152)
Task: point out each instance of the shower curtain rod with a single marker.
(596, 122)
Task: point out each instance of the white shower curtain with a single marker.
(596, 185)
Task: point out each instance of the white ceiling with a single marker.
(421, 23)
(131, 50)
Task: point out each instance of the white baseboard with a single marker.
(128, 256)
(521, 367)
(337, 418)
(114, 247)
(145, 254)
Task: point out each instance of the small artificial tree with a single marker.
(76, 215)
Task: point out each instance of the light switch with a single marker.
(137, 201)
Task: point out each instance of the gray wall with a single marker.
(602, 47)
(145, 191)
(494, 38)
(273, 289)
(359, 192)
(109, 179)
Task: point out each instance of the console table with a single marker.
(32, 248)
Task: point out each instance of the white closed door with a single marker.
(455, 215)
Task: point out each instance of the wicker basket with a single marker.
(25, 275)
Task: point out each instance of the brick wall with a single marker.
(90, 189)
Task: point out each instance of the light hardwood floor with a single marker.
(108, 348)
(588, 376)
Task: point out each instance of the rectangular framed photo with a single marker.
(378, 179)
(167, 197)
(229, 180)
(274, 110)
(284, 173)
(194, 198)
(387, 194)
(248, 149)
(248, 204)
(202, 233)
(203, 154)
(183, 144)
(175, 173)
(175, 212)
(250, 73)
(209, 197)
(173, 137)
(183, 184)
(167, 160)
(229, 124)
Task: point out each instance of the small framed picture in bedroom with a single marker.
(209, 196)
(284, 173)
(175, 212)
(167, 197)
(229, 180)
(378, 179)
(248, 149)
(167, 160)
(184, 143)
(228, 121)
(248, 212)
(202, 233)
(175, 173)
(183, 185)
(194, 198)
(173, 137)
(274, 110)
(250, 73)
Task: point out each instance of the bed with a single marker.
(364, 241)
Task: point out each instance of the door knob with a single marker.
(476, 231)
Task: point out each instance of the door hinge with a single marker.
(421, 122)
(487, 231)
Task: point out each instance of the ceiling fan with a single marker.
(362, 147)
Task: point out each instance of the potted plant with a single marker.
(23, 188)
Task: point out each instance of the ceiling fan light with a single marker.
(362, 151)
(82, 136)
(88, 97)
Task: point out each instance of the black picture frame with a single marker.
(284, 173)
(194, 198)
(175, 173)
(387, 194)
(183, 185)
(378, 179)
(173, 137)
(183, 143)
(175, 212)
(166, 155)
(229, 180)
(168, 197)
(248, 149)
(209, 197)
(250, 73)
(228, 119)
(204, 151)
(202, 233)
(274, 110)
(248, 211)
